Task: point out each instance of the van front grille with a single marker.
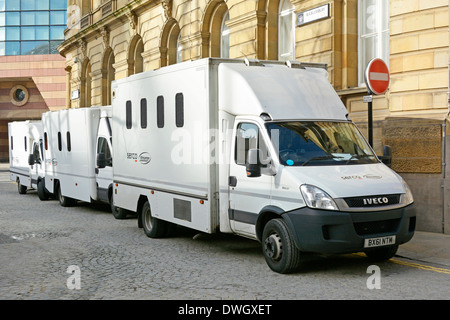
(373, 201)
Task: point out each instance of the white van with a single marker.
(26, 156)
(79, 157)
(257, 148)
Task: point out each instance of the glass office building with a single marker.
(29, 27)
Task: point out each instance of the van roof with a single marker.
(282, 92)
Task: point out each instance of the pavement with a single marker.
(424, 248)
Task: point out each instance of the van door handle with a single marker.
(232, 181)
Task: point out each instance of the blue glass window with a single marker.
(12, 5)
(12, 33)
(12, 19)
(34, 33)
(12, 48)
(34, 5)
(58, 4)
(34, 47)
(57, 33)
(58, 17)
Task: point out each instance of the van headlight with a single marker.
(317, 198)
(407, 198)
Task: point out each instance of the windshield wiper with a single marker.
(359, 156)
(330, 156)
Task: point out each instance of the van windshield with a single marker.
(315, 143)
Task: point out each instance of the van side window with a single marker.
(179, 110)
(128, 114)
(25, 142)
(144, 113)
(59, 141)
(103, 147)
(36, 153)
(248, 137)
(69, 145)
(45, 140)
(12, 143)
(160, 111)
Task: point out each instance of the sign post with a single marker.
(377, 80)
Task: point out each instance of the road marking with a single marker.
(414, 265)
(421, 266)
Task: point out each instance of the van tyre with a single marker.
(279, 249)
(21, 188)
(42, 193)
(63, 200)
(153, 227)
(117, 212)
(382, 254)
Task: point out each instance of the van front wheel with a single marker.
(278, 246)
(153, 227)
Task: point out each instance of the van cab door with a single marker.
(104, 170)
(248, 195)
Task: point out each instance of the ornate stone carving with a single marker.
(105, 36)
(167, 6)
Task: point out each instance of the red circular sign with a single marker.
(377, 76)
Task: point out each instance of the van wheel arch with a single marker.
(265, 215)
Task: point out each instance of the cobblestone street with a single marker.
(39, 240)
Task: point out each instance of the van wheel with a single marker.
(278, 246)
(153, 227)
(64, 201)
(382, 254)
(21, 188)
(42, 193)
(117, 212)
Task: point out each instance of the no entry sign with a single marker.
(377, 76)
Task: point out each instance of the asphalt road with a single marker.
(83, 253)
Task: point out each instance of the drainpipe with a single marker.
(444, 144)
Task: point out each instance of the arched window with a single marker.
(108, 75)
(215, 30)
(179, 49)
(286, 31)
(85, 94)
(225, 38)
(135, 59)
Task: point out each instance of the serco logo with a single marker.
(375, 201)
(145, 158)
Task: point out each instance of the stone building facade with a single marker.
(112, 39)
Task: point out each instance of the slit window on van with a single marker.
(128, 114)
(59, 141)
(25, 143)
(160, 111)
(12, 143)
(45, 141)
(143, 113)
(69, 145)
(179, 110)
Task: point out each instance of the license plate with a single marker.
(378, 242)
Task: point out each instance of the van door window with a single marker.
(103, 147)
(36, 154)
(248, 137)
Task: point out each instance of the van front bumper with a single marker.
(324, 231)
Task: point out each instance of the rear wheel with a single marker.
(42, 193)
(63, 200)
(279, 248)
(117, 212)
(153, 227)
(21, 188)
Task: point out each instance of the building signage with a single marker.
(75, 94)
(314, 14)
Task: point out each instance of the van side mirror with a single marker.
(387, 156)
(253, 165)
(31, 160)
(101, 160)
